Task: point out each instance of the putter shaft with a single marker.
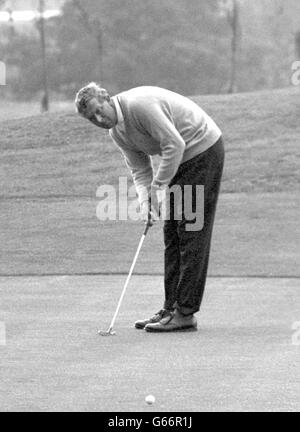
(110, 330)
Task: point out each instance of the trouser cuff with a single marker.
(169, 306)
(186, 311)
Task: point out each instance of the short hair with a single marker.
(88, 92)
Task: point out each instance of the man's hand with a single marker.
(155, 200)
(147, 215)
(152, 213)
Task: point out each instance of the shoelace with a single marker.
(163, 313)
(159, 314)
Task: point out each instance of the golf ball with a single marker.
(150, 399)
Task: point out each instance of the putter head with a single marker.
(109, 332)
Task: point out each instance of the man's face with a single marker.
(102, 114)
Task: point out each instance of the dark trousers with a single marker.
(186, 251)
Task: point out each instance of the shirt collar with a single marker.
(118, 109)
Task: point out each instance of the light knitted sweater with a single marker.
(155, 121)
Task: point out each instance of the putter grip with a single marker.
(149, 224)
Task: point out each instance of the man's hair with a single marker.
(87, 93)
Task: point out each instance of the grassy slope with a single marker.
(51, 157)
(10, 109)
(63, 155)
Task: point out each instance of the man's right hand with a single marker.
(147, 215)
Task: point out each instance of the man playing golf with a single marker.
(148, 121)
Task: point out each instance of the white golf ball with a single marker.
(150, 399)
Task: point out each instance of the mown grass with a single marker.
(241, 359)
(255, 234)
(60, 154)
(16, 109)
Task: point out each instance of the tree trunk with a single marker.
(99, 40)
(45, 97)
(297, 44)
(93, 26)
(234, 19)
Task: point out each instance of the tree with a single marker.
(92, 24)
(181, 45)
(3, 5)
(231, 8)
(159, 42)
(41, 28)
(234, 20)
(297, 43)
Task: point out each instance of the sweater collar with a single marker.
(118, 108)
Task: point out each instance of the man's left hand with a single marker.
(156, 199)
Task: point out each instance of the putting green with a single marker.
(242, 357)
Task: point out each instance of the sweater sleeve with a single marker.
(157, 121)
(139, 165)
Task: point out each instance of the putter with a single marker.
(110, 331)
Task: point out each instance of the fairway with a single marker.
(242, 357)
